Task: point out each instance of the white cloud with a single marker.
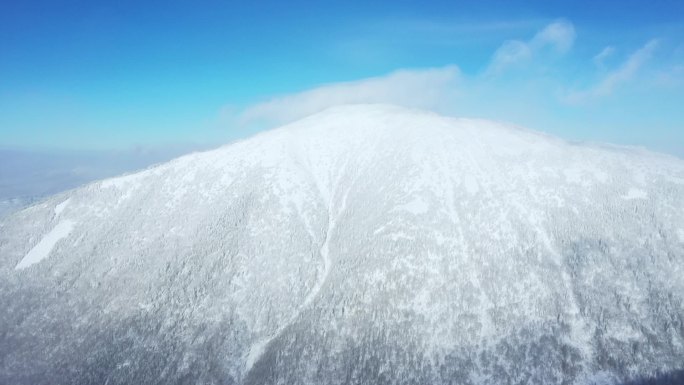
(626, 72)
(600, 58)
(427, 89)
(510, 53)
(446, 31)
(671, 77)
(433, 89)
(558, 36)
(536, 97)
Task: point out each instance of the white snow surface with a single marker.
(42, 250)
(366, 235)
(60, 207)
(635, 193)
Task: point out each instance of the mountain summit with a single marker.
(362, 245)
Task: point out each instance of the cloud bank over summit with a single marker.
(430, 88)
(539, 82)
(130, 78)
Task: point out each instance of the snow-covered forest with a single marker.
(362, 245)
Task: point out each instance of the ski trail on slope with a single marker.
(257, 349)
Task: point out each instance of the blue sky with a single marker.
(120, 75)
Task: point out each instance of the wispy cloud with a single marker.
(601, 57)
(432, 88)
(533, 83)
(427, 88)
(626, 72)
(671, 77)
(440, 88)
(558, 36)
(398, 38)
(443, 30)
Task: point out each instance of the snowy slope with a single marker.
(364, 244)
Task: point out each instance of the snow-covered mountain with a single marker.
(28, 176)
(361, 245)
